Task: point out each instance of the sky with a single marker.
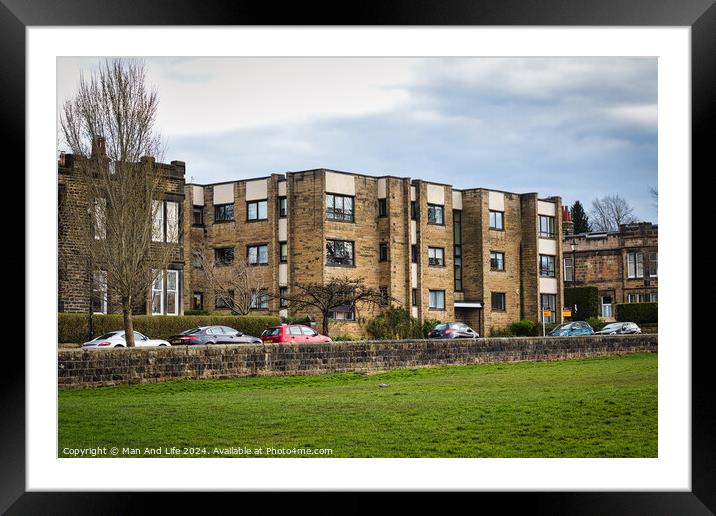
(580, 128)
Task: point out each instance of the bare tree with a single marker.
(236, 283)
(109, 128)
(343, 293)
(609, 212)
(654, 196)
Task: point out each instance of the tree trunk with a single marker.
(128, 326)
(325, 325)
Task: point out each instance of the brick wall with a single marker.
(77, 368)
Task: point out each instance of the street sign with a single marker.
(547, 312)
(566, 312)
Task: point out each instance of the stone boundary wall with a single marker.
(78, 368)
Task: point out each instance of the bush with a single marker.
(345, 338)
(524, 328)
(586, 299)
(73, 327)
(637, 312)
(428, 325)
(500, 332)
(597, 323)
(196, 312)
(395, 323)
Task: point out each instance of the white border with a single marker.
(671, 471)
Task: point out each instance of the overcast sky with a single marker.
(575, 127)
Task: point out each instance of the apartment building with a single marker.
(622, 264)
(480, 256)
(82, 281)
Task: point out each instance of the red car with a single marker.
(292, 333)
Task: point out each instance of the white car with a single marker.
(115, 339)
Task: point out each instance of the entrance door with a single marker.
(607, 307)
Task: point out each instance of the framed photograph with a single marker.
(321, 195)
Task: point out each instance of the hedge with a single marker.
(637, 312)
(586, 300)
(73, 327)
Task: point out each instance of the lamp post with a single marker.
(574, 262)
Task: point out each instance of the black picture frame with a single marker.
(700, 15)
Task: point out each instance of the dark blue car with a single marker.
(571, 329)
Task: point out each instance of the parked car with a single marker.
(202, 335)
(452, 330)
(619, 328)
(115, 339)
(571, 329)
(292, 333)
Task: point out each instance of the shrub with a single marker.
(637, 312)
(73, 327)
(345, 338)
(196, 312)
(523, 328)
(597, 323)
(586, 299)
(500, 332)
(395, 323)
(428, 325)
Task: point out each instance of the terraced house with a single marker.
(480, 256)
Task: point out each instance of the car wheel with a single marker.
(160, 345)
(118, 346)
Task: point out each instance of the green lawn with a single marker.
(602, 407)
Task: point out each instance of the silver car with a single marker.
(115, 339)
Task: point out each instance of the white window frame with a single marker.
(99, 278)
(551, 305)
(654, 259)
(435, 251)
(100, 218)
(433, 297)
(158, 275)
(635, 265)
(157, 221)
(568, 267)
(175, 273)
(607, 307)
(172, 232)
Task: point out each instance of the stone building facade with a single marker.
(484, 257)
(622, 264)
(82, 282)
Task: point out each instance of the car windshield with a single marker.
(271, 332)
(612, 326)
(189, 332)
(440, 327)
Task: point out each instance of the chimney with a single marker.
(61, 159)
(567, 223)
(99, 147)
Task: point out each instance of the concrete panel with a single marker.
(197, 195)
(282, 188)
(381, 188)
(414, 311)
(340, 183)
(548, 286)
(413, 232)
(497, 201)
(456, 200)
(547, 208)
(413, 275)
(283, 274)
(436, 194)
(257, 190)
(283, 312)
(283, 229)
(413, 193)
(547, 246)
(224, 194)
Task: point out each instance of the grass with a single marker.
(601, 407)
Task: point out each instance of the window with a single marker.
(382, 207)
(497, 261)
(257, 254)
(259, 299)
(383, 295)
(568, 269)
(100, 219)
(436, 299)
(339, 207)
(256, 210)
(172, 209)
(635, 265)
(197, 259)
(436, 214)
(282, 207)
(99, 292)
(413, 210)
(172, 306)
(295, 330)
(653, 297)
(224, 255)
(283, 252)
(197, 301)
(414, 297)
(282, 295)
(308, 332)
(653, 265)
(436, 256)
(414, 253)
(607, 307)
(457, 248)
(342, 313)
(546, 226)
(224, 299)
(497, 219)
(498, 302)
(546, 266)
(383, 252)
(339, 252)
(198, 215)
(549, 301)
(223, 213)
(158, 292)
